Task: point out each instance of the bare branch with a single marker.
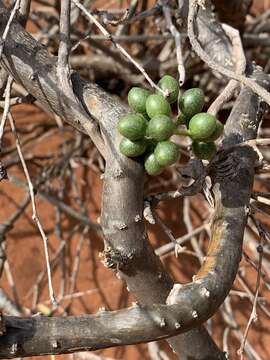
(178, 46)
(7, 28)
(253, 315)
(33, 202)
(126, 242)
(259, 90)
(39, 77)
(119, 47)
(240, 68)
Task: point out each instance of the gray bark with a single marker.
(127, 248)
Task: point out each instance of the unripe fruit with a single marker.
(151, 145)
(157, 105)
(202, 126)
(166, 153)
(132, 126)
(151, 165)
(191, 102)
(132, 148)
(168, 84)
(204, 151)
(218, 131)
(160, 128)
(137, 99)
(182, 119)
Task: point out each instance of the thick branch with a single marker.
(222, 69)
(33, 67)
(126, 245)
(196, 301)
(212, 36)
(242, 124)
(22, 19)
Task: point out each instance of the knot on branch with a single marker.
(224, 166)
(115, 259)
(228, 162)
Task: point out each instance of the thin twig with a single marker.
(155, 352)
(253, 315)
(76, 262)
(6, 108)
(34, 209)
(189, 226)
(11, 283)
(164, 249)
(119, 47)
(177, 247)
(63, 75)
(240, 67)
(64, 33)
(177, 38)
(259, 90)
(230, 320)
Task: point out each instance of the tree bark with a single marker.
(127, 248)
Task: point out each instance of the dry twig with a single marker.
(259, 90)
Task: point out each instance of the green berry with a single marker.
(132, 126)
(157, 105)
(137, 99)
(191, 102)
(182, 119)
(218, 131)
(202, 126)
(168, 84)
(166, 153)
(151, 145)
(132, 148)
(151, 165)
(160, 128)
(204, 151)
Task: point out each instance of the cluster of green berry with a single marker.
(203, 128)
(148, 130)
